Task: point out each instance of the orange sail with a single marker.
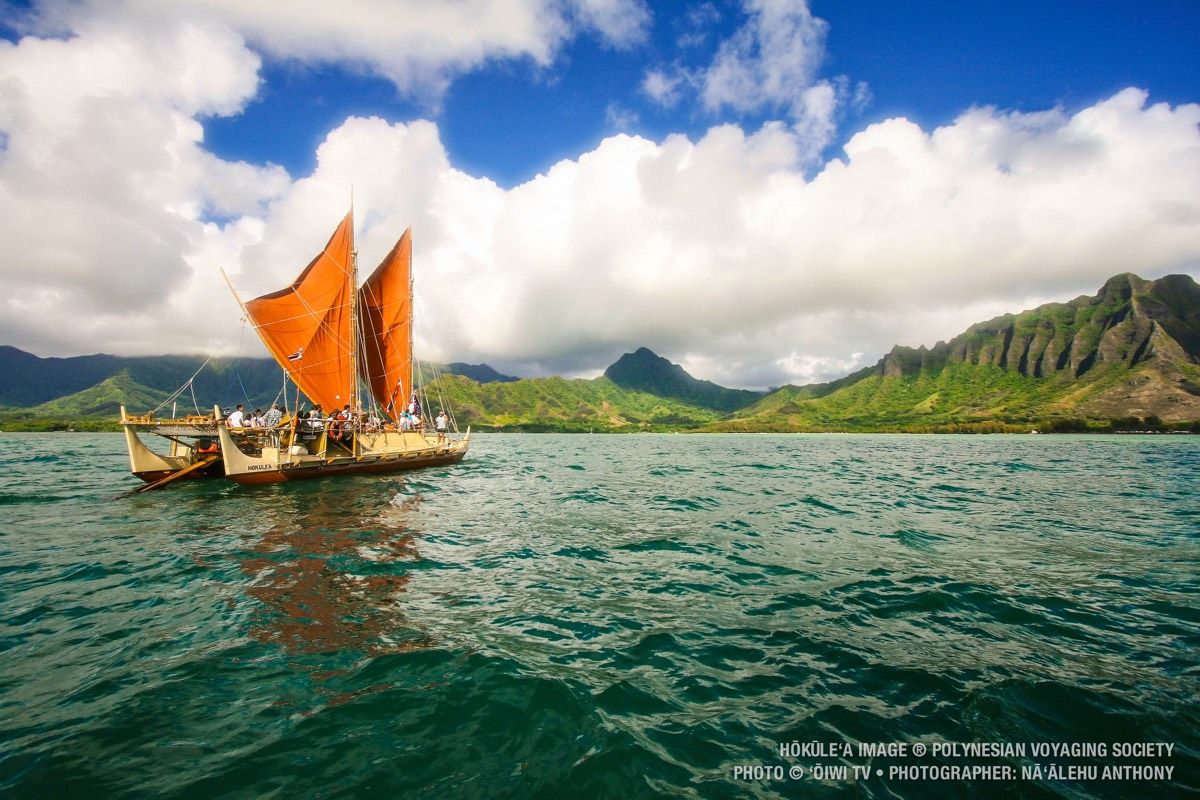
(385, 308)
(307, 325)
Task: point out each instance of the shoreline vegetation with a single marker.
(20, 423)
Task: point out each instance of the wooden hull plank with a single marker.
(373, 467)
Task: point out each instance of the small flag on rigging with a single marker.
(296, 356)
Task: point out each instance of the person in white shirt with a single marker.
(238, 418)
(440, 423)
(316, 419)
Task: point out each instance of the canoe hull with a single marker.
(214, 470)
(252, 457)
(257, 456)
(326, 469)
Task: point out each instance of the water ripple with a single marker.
(596, 616)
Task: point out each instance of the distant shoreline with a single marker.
(104, 426)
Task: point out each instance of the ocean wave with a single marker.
(519, 627)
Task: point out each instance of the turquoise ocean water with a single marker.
(606, 616)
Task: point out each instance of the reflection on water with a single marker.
(330, 573)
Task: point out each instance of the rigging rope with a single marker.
(225, 400)
(179, 391)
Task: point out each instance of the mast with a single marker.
(412, 308)
(354, 332)
(238, 297)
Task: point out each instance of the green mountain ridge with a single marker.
(1132, 350)
(70, 386)
(561, 404)
(104, 399)
(1129, 353)
(28, 381)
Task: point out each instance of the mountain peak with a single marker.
(1121, 288)
(644, 356)
(644, 370)
(644, 367)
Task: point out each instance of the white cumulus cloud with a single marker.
(622, 23)
(729, 252)
(663, 87)
(103, 176)
(418, 45)
(107, 195)
(770, 61)
(720, 253)
(768, 64)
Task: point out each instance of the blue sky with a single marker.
(766, 191)
(927, 61)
